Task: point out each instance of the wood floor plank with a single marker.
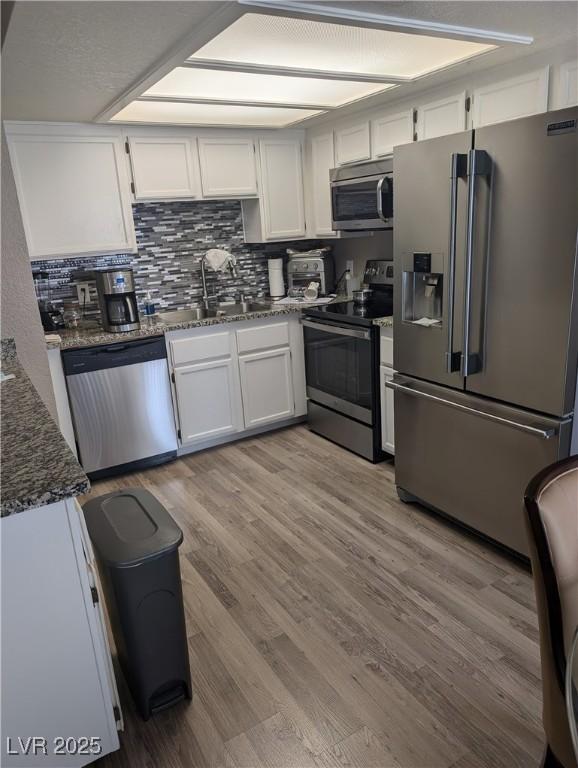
(331, 625)
(224, 701)
(360, 750)
(278, 745)
(321, 702)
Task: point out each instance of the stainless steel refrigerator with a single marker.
(485, 317)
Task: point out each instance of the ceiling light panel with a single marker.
(186, 83)
(283, 41)
(177, 113)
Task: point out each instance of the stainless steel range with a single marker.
(342, 366)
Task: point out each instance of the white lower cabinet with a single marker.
(267, 386)
(387, 423)
(238, 377)
(61, 707)
(207, 400)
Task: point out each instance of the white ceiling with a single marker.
(68, 61)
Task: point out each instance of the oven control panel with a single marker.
(378, 272)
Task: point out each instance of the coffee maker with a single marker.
(117, 300)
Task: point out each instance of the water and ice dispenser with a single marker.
(422, 288)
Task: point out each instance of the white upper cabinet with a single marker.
(352, 144)
(164, 167)
(282, 184)
(228, 167)
(508, 99)
(279, 214)
(387, 131)
(322, 161)
(73, 189)
(442, 117)
(569, 85)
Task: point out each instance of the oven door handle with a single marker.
(337, 329)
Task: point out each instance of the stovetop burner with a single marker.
(357, 314)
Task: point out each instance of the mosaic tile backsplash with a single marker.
(171, 238)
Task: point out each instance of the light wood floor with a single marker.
(330, 625)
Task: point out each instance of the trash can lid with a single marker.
(130, 526)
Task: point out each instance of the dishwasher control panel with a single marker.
(103, 356)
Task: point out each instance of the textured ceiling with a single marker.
(67, 61)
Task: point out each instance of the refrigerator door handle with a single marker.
(479, 164)
(458, 170)
(544, 434)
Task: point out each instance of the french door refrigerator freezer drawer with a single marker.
(471, 458)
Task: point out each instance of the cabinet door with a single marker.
(387, 426)
(163, 167)
(267, 387)
(49, 643)
(568, 88)
(508, 99)
(282, 188)
(208, 400)
(322, 161)
(387, 131)
(352, 144)
(228, 167)
(74, 194)
(442, 117)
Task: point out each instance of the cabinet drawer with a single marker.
(263, 337)
(196, 348)
(386, 347)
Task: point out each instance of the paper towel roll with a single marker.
(276, 280)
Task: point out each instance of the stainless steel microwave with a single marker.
(362, 196)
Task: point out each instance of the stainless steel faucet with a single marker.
(232, 269)
(204, 282)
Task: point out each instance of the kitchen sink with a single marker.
(186, 315)
(245, 307)
(200, 313)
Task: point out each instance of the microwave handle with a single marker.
(380, 199)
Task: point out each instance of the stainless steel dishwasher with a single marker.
(120, 397)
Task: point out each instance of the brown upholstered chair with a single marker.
(552, 520)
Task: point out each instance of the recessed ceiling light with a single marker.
(177, 113)
(183, 83)
(304, 43)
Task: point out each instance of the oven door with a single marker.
(339, 368)
(364, 203)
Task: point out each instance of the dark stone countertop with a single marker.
(38, 467)
(94, 334)
(384, 322)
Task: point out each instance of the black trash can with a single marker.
(136, 543)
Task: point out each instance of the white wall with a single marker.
(19, 311)
(376, 245)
